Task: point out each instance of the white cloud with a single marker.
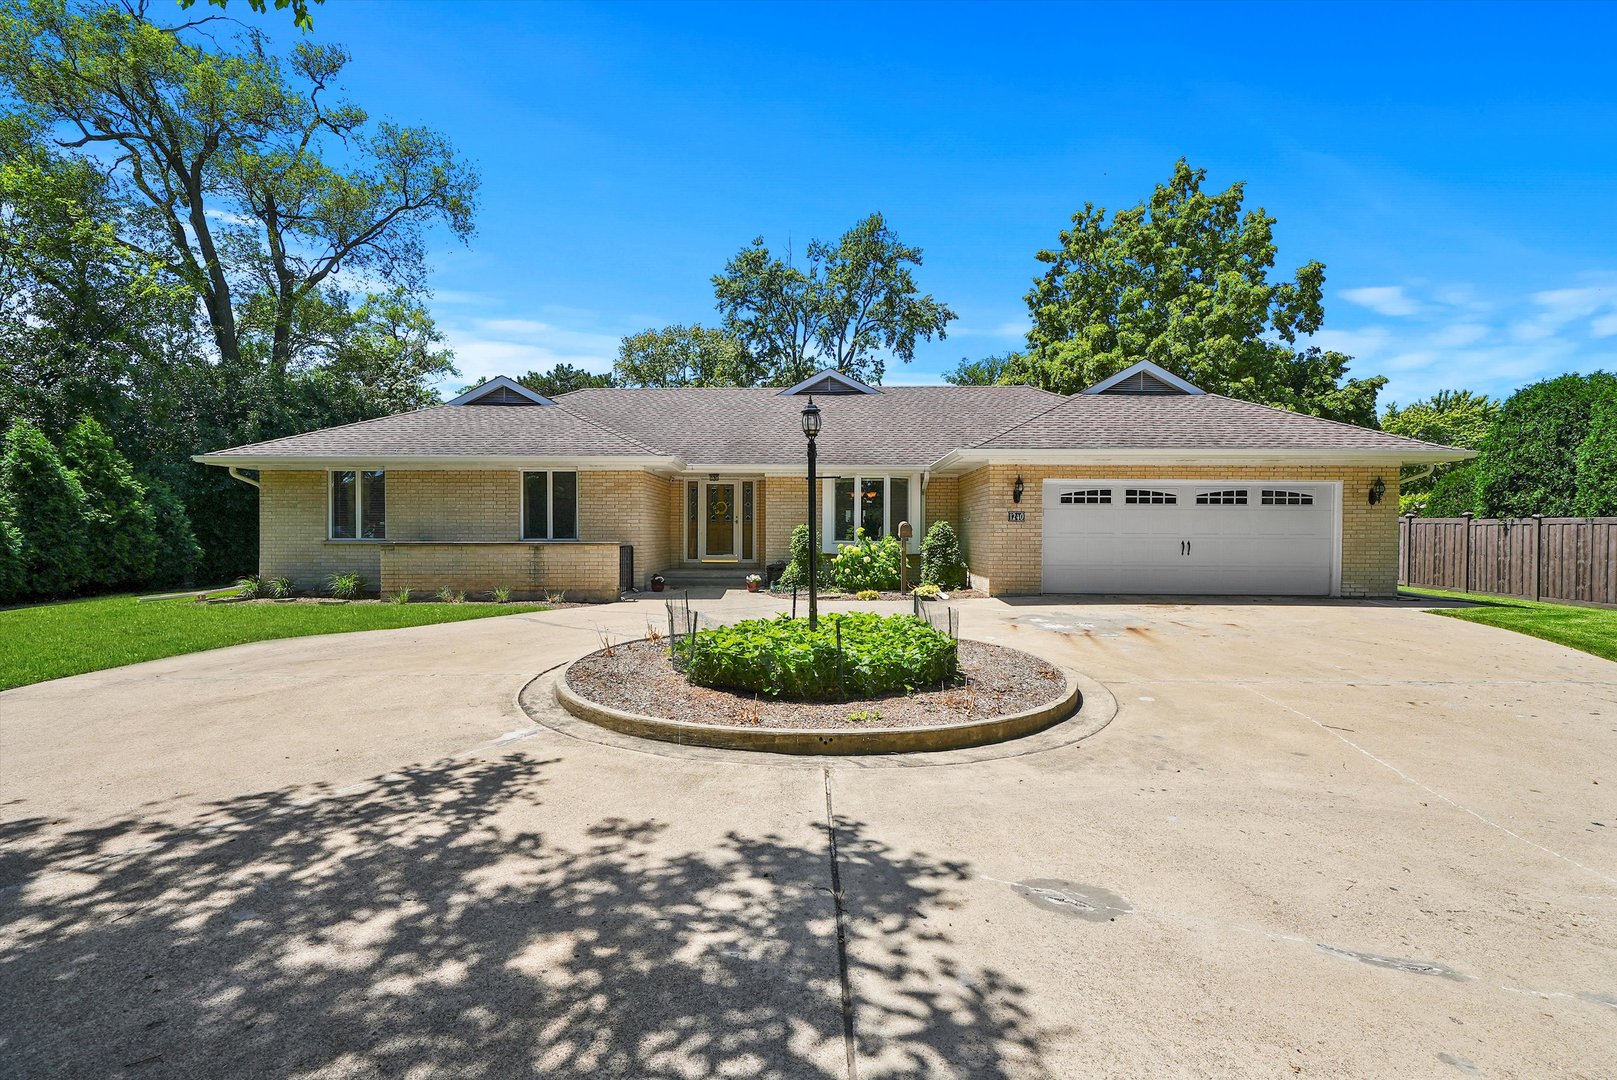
(488, 347)
(1382, 299)
(1455, 336)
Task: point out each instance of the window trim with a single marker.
(915, 501)
(550, 507)
(359, 507)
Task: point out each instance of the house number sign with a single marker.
(1016, 515)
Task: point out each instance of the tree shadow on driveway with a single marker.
(422, 927)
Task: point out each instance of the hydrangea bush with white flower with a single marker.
(866, 564)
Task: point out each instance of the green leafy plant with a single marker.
(864, 716)
(866, 564)
(400, 597)
(346, 586)
(782, 657)
(868, 594)
(795, 576)
(121, 540)
(251, 587)
(556, 597)
(446, 595)
(280, 587)
(46, 505)
(941, 561)
(500, 595)
(927, 591)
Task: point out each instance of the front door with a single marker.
(720, 521)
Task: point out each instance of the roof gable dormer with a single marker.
(829, 381)
(501, 391)
(1144, 378)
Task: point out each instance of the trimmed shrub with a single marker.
(280, 588)
(795, 576)
(866, 565)
(1528, 462)
(1455, 493)
(47, 509)
(941, 562)
(178, 553)
(782, 657)
(1597, 458)
(121, 542)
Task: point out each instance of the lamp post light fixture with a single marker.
(1016, 489)
(811, 428)
(1377, 491)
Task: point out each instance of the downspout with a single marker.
(1423, 474)
(237, 474)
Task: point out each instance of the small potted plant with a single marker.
(657, 583)
(753, 581)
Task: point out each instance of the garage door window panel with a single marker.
(1222, 498)
(1278, 497)
(1149, 497)
(1089, 497)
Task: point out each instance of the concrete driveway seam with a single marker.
(1433, 792)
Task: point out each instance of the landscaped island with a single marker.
(858, 683)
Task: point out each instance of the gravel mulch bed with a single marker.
(640, 678)
(952, 594)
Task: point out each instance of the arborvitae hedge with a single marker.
(1529, 459)
(121, 543)
(179, 556)
(48, 509)
(1597, 456)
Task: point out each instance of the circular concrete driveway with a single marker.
(1317, 839)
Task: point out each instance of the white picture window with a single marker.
(357, 504)
(550, 505)
(875, 504)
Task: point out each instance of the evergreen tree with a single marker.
(121, 542)
(179, 556)
(48, 511)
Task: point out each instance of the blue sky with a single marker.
(1453, 166)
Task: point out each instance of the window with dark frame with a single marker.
(1234, 497)
(1148, 497)
(1089, 496)
(550, 505)
(1279, 497)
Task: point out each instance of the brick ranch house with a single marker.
(1140, 484)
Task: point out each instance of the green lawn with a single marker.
(53, 640)
(1593, 630)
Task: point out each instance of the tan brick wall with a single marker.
(943, 500)
(581, 571)
(479, 507)
(786, 507)
(1006, 559)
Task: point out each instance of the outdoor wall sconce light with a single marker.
(1377, 490)
(1016, 490)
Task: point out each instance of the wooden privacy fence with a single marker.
(1538, 558)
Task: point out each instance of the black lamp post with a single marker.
(811, 428)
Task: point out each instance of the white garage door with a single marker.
(1191, 537)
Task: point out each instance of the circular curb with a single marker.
(816, 741)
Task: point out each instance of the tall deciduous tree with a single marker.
(851, 306)
(1449, 418)
(985, 372)
(685, 356)
(252, 178)
(1183, 280)
(563, 379)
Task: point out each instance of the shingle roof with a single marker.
(1190, 422)
(455, 430)
(901, 426)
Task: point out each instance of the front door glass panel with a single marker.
(721, 521)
